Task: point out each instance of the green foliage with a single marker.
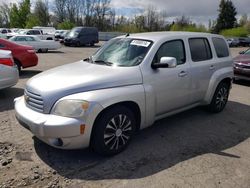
(14, 16)
(235, 32)
(41, 11)
(32, 21)
(66, 25)
(227, 16)
(19, 15)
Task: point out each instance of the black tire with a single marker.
(220, 98)
(39, 50)
(18, 64)
(113, 131)
(78, 44)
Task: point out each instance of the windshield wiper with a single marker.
(103, 62)
(89, 59)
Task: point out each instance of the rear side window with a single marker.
(220, 47)
(200, 49)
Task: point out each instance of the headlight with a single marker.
(70, 108)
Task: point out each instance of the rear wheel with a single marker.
(220, 98)
(113, 131)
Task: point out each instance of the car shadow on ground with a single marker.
(86, 46)
(7, 97)
(52, 52)
(28, 73)
(167, 143)
(242, 82)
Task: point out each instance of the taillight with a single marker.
(31, 51)
(7, 61)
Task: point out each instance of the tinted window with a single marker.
(36, 32)
(20, 39)
(171, 49)
(200, 49)
(30, 39)
(220, 47)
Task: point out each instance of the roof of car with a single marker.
(155, 36)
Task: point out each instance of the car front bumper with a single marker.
(57, 131)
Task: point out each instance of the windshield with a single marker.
(247, 52)
(74, 33)
(123, 52)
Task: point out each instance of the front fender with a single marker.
(109, 96)
(216, 78)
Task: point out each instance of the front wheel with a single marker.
(220, 98)
(113, 131)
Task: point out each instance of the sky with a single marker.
(199, 11)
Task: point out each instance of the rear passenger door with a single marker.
(203, 65)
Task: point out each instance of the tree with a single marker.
(4, 15)
(41, 12)
(227, 16)
(19, 15)
(60, 10)
(243, 20)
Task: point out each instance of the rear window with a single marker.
(220, 47)
(200, 49)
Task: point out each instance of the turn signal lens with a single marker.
(82, 129)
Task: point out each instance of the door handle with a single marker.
(182, 74)
(212, 67)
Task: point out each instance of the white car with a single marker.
(8, 70)
(34, 41)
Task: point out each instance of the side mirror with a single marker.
(165, 62)
(28, 33)
(241, 52)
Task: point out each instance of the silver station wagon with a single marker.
(128, 84)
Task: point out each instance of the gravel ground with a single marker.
(191, 149)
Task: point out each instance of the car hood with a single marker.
(80, 77)
(244, 59)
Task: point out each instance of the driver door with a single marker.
(172, 86)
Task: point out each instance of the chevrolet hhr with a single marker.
(128, 84)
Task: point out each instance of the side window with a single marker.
(173, 48)
(20, 39)
(1, 45)
(200, 49)
(30, 39)
(220, 47)
(36, 32)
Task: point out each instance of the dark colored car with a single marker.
(24, 56)
(242, 65)
(80, 36)
(233, 42)
(244, 41)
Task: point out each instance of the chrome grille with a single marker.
(33, 100)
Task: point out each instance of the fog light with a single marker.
(56, 142)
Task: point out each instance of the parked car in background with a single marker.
(244, 41)
(38, 44)
(242, 65)
(80, 36)
(8, 70)
(59, 34)
(45, 30)
(63, 36)
(38, 33)
(24, 56)
(233, 42)
(5, 31)
(128, 84)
